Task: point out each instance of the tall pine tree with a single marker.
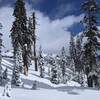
(91, 9)
(18, 31)
(72, 50)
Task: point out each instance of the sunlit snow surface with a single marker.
(45, 89)
(52, 94)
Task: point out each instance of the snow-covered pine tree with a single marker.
(41, 63)
(63, 64)
(79, 60)
(98, 70)
(49, 64)
(91, 9)
(30, 31)
(0, 50)
(0, 55)
(16, 70)
(54, 77)
(74, 61)
(54, 74)
(71, 67)
(18, 31)
(78, 47)
(72, 49)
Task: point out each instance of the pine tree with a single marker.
(16, 70)
(91, 9)
(54, 74)
(0, 54)
(41, 63)
(72, 47)
(78, 47)
(49, 64)
(79, 60)
(19, 30)
(30, 31)
(72, 50)
(63, 64)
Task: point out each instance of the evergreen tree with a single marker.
(78, 47)
(0, 52)
(50, 60)
(63, 64)
(54, 74)
(19, 31)
(91, 9)
(41, 63)
(72, 47)
(72, 50)
(16, 70)
(30, 31)
(79, 60)
(0, 55)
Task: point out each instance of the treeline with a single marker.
(84, 59)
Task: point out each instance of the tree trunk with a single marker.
(25, 61)
(26, 70)
(35, 58)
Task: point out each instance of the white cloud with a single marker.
(6, 19)
(51, 34)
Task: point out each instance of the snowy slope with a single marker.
(66, 93)
(45, 89)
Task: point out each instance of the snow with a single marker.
(8, 53)
(45, 89)
(52, 94)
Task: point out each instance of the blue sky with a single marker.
(51, 13)
(55, 9)
(52, 8)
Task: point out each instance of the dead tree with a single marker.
(34, 42)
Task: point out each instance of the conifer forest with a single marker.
(49, 49)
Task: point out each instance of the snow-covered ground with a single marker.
(62, 93)
(45, 89)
